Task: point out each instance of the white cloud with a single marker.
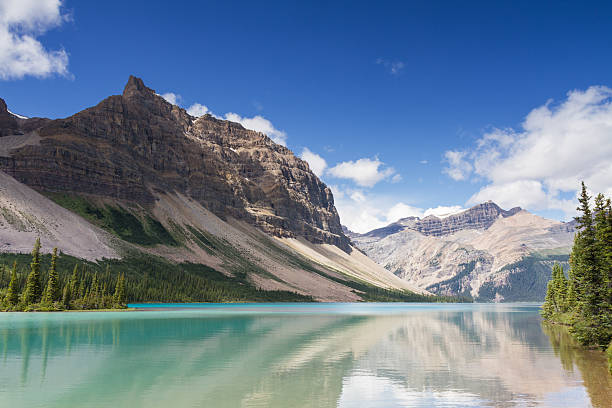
(172, 98)
(364, 172)
(458, 167)
(423, 162)
(394, 67)
(317, 163)
(21, 54)
(259, 124)
(363, 211)
(539, 164)
(198, 110)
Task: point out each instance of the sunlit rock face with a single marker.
(484, 252)
(135, 146)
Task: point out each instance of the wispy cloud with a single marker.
(21, 53)
(394, 67)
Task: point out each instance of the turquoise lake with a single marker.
(297, 355)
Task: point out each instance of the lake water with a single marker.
(297, 355)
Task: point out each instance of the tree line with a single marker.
(583, 300)
(82, 290)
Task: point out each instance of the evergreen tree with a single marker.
(12, 295)
(548, 308)
(33, 290)
(603, 232)
(560, 288)
(53, 292)
(119, 296)
(66, 296)
(592, 320)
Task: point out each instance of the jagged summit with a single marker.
(8, 122)
(136, 87)
(135, 146)
(480, 216)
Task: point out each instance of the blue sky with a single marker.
(412, 105)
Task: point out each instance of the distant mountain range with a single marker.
(138, 175)
(485, 252)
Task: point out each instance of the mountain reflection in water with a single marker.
(297, 356)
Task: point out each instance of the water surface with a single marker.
(297, 355)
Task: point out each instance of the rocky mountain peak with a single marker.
(136, 146)
(8, 122)
(480, 216)
(135, 87)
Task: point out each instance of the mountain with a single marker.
(485, 252)
(136, 174)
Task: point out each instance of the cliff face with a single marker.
(136, 146)
(481, 216)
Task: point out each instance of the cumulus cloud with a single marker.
(362, 211)
(317, 163)
(364, 172)
(21, 53)
(394, 67)
(172, 98)
(197, 110)
(259, 124)
(542, 163)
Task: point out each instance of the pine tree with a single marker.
(591, 323)
(12, 295)
(66, 296)
(119, 296)
(53, 292)
(33, 290)
(548, 308)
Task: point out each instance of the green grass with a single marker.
(132, 226)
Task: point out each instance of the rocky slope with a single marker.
(143, 175)
(485, 252)
(133, 145)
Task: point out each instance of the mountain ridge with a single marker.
(481, 249)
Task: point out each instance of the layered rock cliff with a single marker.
(135, 146)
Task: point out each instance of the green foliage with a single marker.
(12, 294)
(132, 226)
(95, 296)
(54, 291)
(587, 297)
(527, 279)
(33, 290)
(609, 354)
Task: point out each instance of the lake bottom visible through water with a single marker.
(297, 355)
